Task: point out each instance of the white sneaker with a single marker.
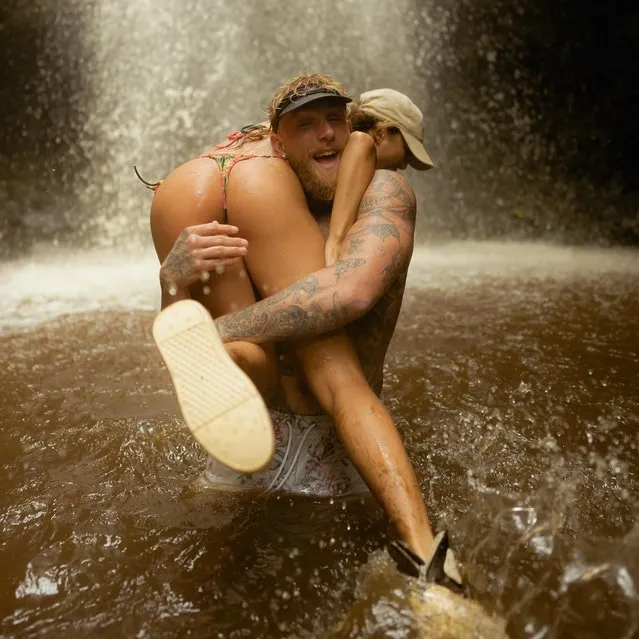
(220, 404)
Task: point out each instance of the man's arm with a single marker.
(376, 250)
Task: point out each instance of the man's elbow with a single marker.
(358, 296)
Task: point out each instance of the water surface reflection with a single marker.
(513, 376)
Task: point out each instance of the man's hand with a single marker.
(198, 251)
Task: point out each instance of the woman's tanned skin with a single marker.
(285, 244)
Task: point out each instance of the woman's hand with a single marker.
(199, 250)
(332, 250)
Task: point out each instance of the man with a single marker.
(363, 291)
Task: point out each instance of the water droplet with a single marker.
(219, 270)
(206, 290)
(172, 289)
(205, 276)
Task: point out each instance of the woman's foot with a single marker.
(220, 404)
(439, 566)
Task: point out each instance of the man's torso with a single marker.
(371, 336)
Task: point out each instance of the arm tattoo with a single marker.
(178, 264)
(343, 267)
(385, 230)
(376, 250)
(304, 308)
(354, 246)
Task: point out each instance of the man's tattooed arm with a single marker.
(376, 250)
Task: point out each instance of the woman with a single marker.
(392, 152)
(329, 363)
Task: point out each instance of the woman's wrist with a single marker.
(337, 236)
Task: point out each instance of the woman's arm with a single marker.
(356, 170)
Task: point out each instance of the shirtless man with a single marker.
(362, 291)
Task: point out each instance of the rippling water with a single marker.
(513, 376)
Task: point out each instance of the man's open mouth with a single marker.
(326, 158)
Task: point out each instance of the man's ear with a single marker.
(278, 148)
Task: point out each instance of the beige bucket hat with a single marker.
(400, 111)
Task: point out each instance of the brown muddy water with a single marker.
(513, 375)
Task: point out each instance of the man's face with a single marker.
(313, 139)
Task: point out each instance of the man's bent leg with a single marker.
(259, 363)
(368, 434)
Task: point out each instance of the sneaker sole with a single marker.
(220, 404)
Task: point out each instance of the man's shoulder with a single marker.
(390, 192)
(391, 183)
(389, 175)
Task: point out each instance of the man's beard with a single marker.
(315, 186)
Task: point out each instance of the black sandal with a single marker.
(440, 568)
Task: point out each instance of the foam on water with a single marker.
(511, 377)
(53, 283)
(37, 289)
(463, 261)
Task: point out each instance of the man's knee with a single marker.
(258, 362)
(237, 353)
(245, 353)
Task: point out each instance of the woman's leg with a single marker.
(189, 199)
(363, 423)
(368, 434)
(229, 291)
(284, 247)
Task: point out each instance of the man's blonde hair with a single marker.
(297, 87)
